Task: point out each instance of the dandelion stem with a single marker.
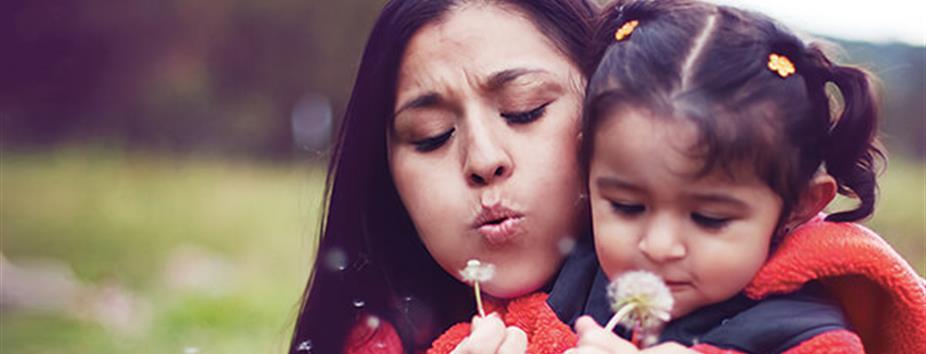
(619, 316)
(482, 312)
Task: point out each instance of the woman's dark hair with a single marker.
(709, 64)
(370, 259)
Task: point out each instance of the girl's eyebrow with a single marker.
(719, 199)
(616, 183)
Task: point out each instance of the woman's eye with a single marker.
(628, 208)
(432, 143)
(525, 117)
(710, 222)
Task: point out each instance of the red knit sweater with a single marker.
(883, 297)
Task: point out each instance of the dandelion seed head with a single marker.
(476, 271)
(647, 293)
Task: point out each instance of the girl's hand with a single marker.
(489, 336)
(668, 348)
(593, 339)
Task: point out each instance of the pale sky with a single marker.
(877, 21)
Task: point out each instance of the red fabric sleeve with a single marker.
(880, 293)
(546, 334)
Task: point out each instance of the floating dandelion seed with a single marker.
(336, 259)
(641, 301)
(358, 304)
(566, 245)
(305, 346)
(474, 273)
(373, 322)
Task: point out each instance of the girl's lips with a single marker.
(501, 232)
(676, 286)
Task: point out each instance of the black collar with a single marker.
(580, 288)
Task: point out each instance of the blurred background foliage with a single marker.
(163, 162)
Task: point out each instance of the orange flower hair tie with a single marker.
(781, 65)
(625, 30)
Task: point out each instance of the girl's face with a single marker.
(706, 236)
(483, 145)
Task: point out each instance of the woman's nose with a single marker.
(487, 158)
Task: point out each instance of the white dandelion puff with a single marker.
(641, 301)
(474, 273)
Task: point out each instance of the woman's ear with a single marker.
(819, 193)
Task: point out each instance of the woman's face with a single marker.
(483, 145)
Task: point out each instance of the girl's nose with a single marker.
(662, 241)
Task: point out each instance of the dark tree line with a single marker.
(225, 75)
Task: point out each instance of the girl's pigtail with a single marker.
(852, 151)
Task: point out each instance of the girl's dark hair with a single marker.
(370, 259)
(709, 64)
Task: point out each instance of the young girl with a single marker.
(712, 148)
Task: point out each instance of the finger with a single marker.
(460, 347)
(485, 336)
(592, 335)
(515, 341)
(586, 350)
(586, 324)
(668, 348)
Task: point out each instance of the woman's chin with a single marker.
(502, 287)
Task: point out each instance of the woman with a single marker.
(459, 141)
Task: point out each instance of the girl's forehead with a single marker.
(638, 139)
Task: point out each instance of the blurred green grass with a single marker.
(116, 216)
(900, 211)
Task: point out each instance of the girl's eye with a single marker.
(627, 208)
(710, 222)
(432, 143)
(525, 117)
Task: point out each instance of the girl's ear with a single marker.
(819, 193)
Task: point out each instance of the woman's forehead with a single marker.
(471, 46)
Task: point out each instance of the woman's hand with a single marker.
(489, 336)
(593, 339)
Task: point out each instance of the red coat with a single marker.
(882, 296)
(531, 313)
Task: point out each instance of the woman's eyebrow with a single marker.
(498, 80)
(427, 99)
(495, 82)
